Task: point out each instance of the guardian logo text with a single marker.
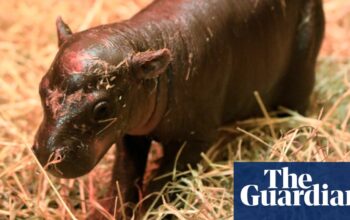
(291, 190)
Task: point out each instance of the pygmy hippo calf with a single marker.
(175, 73)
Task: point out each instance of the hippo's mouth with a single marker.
(72, 165)
(71, 161)
(64, 163)
(60, 166)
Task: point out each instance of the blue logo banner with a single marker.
(291, 191)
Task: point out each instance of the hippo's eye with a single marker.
(102, 111)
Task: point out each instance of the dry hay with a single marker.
(27, 46)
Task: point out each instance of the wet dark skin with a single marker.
(175, 73)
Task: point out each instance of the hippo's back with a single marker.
(223, 51)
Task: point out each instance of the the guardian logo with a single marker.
(291, 191)
(295, 190)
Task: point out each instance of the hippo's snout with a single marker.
(64, 161)
(67, 153)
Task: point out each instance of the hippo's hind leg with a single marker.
(299, 80)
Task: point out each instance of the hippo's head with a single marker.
(97, 89)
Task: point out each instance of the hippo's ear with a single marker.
(150, 64)
(63, 31)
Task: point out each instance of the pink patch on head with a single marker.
(55, 98)
(74, 62)
(90, 97)
(53, 102)
(75, 97)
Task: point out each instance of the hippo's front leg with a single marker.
(129, 167)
